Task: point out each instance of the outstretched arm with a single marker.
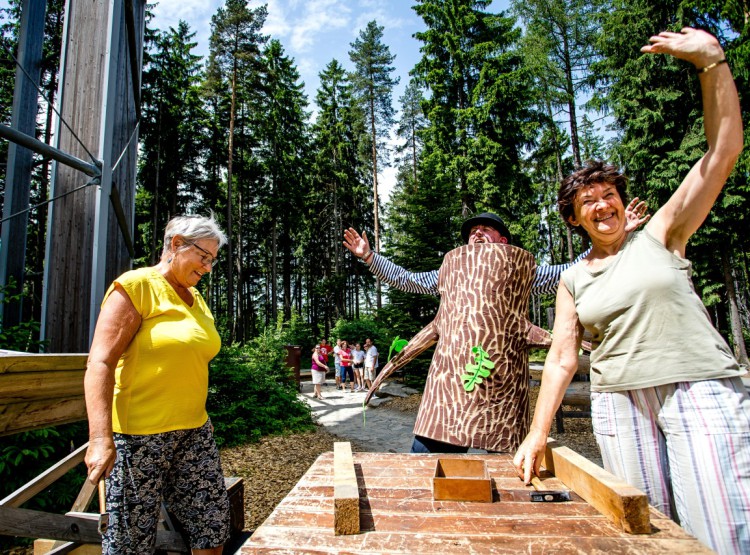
(388, 272)
(688, 207)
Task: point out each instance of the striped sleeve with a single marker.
(547, 277)
(396, 276)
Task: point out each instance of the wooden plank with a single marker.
(292, 540)
(345, 490)
(626, 506)
(52, 547)
(18, 387)
(34, 524)
(11, 361)
(578, 394)
(21, 417)
(236, 492)
(49, 476)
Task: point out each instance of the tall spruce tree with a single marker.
(336, 198)
(170, 164)
(409, 129)
(478, 107)
(235, 45)
(373, 86)
(284, 139)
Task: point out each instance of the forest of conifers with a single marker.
(499, 107)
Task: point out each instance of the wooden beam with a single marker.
(41, 482)
(34, 524)
(626, 506)
(345, 490)
(21, 417)
(11, 361)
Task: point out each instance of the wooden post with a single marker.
(86, 242)
(345, 490)
(20, 159)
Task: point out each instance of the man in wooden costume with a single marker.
(477, 389)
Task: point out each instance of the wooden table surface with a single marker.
(398, 515)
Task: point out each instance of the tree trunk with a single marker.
(376, 222)
(734, 313)
(230, 261)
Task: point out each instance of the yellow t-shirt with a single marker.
(161, 380)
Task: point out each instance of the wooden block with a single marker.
(626, 506)
(236, 492)
(461, 480)
(41, 547)
(345, 490)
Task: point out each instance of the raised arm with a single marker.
(388, 272)
(559, 367)
(688, 207)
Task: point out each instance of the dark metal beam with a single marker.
(93, 170)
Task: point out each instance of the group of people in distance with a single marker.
(356, 366)
(669, 410)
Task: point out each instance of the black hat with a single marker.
(488, 219)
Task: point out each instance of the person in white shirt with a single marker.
(371, 363)
(358, 365)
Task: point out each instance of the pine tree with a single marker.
(235, 51)
(479, 107)
(373, 86)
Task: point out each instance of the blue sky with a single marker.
(313, 32)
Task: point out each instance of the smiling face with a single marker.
(485, 234)
(600, 210)
(188, 265)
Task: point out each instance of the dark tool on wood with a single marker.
(547, 496)
(103, 514)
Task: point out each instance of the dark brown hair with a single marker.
(592, 172)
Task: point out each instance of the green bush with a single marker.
(252, 393)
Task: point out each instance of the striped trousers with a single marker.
(687, 446)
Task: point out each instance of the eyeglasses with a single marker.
(208, 258)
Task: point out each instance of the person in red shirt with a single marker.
(345, 358)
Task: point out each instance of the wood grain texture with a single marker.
(398, 515)
(345, 490)
(627, 507)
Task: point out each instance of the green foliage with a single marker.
(22, 336)
(479, 370)
(356, 331)
(252, 393)
(25, 455)
(397, 345)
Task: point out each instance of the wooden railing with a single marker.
(40, 390)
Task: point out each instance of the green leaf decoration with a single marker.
(397, 345)
(476, 372)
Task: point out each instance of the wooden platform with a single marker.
(398, 515)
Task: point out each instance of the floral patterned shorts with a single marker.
(181, 468)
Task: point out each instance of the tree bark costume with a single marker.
(477, 389)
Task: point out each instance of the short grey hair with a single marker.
(193, 228)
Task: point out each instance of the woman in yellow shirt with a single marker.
(146, 385)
